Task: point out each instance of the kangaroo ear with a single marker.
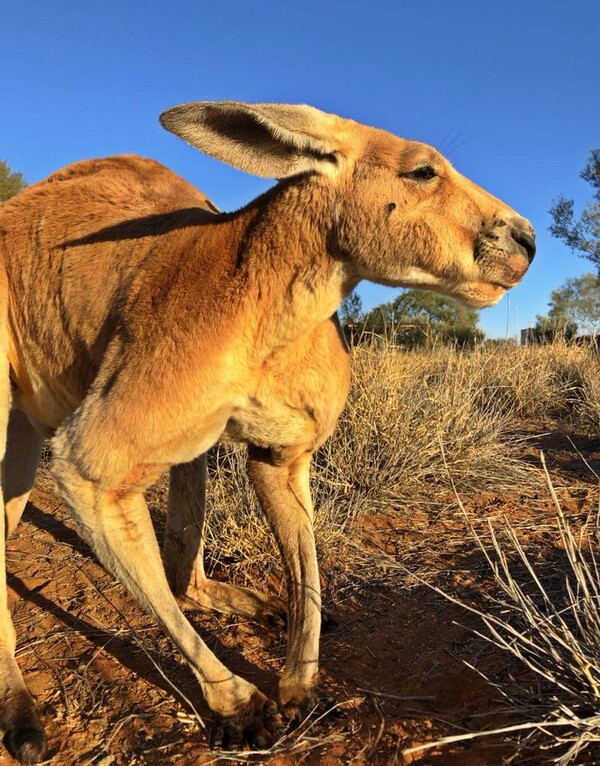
(269, 140)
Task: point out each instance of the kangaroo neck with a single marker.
(293, 278)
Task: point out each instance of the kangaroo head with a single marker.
(401, 215)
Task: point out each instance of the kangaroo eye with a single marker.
(425, 173)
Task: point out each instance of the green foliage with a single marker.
(581, 235)
(10, 183)
(351, 310)
(576, 304)
(420, 317)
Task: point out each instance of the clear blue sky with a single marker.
(509, 91)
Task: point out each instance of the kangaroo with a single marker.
(139, 326)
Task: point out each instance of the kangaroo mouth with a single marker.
(505, 285)
(481, 294)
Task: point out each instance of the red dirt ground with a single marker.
(105, 677)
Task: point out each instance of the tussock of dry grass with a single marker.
(403, 407)
(542, 381)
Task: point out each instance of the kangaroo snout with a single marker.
(522, 233)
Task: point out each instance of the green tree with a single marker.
(420, 317)
(574, 305)
(351, 310)
(581, 234)
(10, 183)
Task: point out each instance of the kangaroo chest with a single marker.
(297, 396)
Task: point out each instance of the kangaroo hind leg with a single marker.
(114, 520)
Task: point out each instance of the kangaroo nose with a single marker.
(522, 233)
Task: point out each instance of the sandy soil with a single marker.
(110, 686)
